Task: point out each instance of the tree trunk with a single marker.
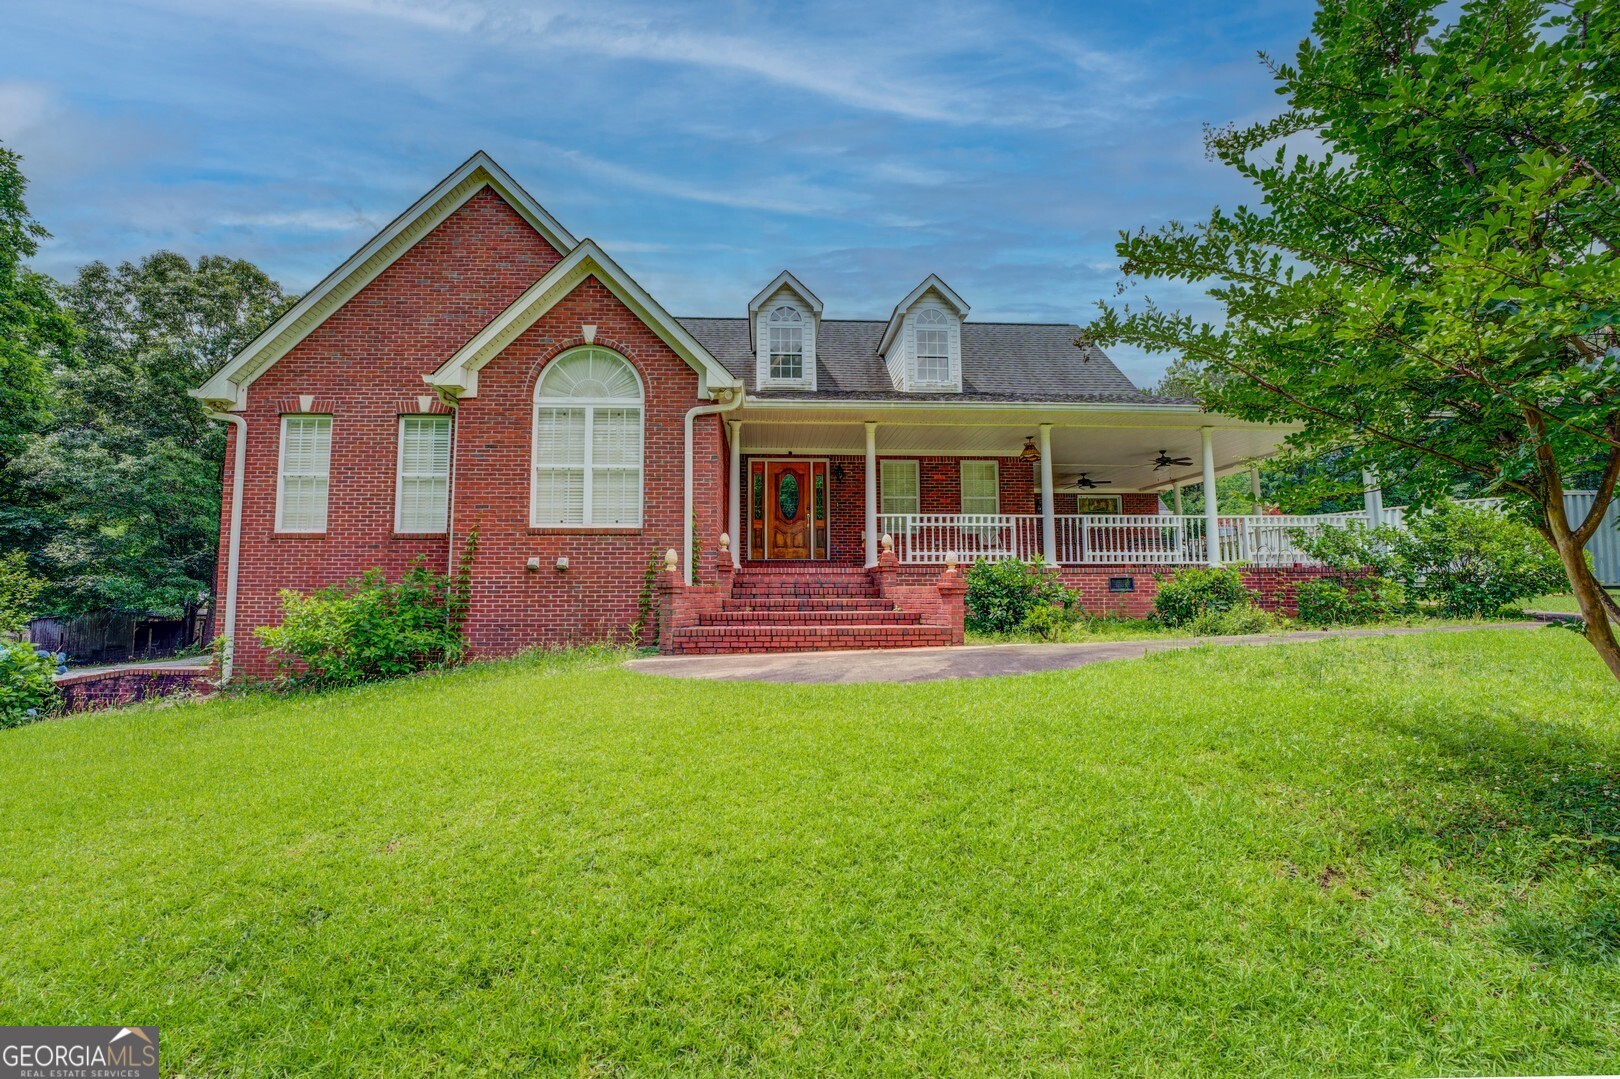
(1588, 592)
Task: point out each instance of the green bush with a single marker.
(1243, 618)
(1000, 595)
(18, 591)
(1195, 592)
(369, 628)
(1338, 601)
(27, 689)
(1470, 561)
(1046, 621)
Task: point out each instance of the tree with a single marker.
(1432, 284)
(122, 492)
(34, 331)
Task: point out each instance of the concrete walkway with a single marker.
(978, 661)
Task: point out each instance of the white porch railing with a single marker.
(1101, 539)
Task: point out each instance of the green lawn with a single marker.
(1367, 857)
(1565, 602)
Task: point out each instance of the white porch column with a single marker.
(1372, 498)
(1212, 513)
(1254, 489)
(1049, 552)
(1175, 496)
(734, 521)
(871, 494)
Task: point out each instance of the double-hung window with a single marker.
(898, 492)
(587, 442)
(422, 497)
(303, 473)
(981, 493)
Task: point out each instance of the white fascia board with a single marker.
(459, 374)
(784, 278)
(227, 388)
(932, 281)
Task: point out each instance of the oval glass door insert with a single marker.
(787, 496)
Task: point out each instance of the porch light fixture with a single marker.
(1029, 452)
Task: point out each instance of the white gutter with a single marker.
(233, 558)
(686, 518)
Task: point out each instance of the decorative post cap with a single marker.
(725, 543)
(670, 558)
(886, 541)
(950, 561)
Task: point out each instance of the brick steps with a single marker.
(773, 604)
(756, 638)
(812, 617)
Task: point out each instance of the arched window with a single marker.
(587, 441)
(787, 343)
(933, 345)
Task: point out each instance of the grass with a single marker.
(1385, 856)
(1118, 628)
(1563, 602)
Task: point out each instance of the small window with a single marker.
(786, 330)
(981, 491)
(897, 488)
(1122, 584)
(422, 500)
(933, 346)
(305, 470)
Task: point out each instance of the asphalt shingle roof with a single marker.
(1001, 361)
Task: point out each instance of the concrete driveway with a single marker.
(977, 661)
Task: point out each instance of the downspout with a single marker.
(730, 399)
(233, 557)
(450, 495)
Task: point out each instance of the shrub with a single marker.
(1243, 618)
(27, 689)
(368, 628)
(1471, 561)
(1001, 594)
(1046, 620)
(1336, 601)
(1194, 592)
(18, 591)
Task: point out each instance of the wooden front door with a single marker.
(788, 509)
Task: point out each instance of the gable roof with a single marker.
(784, 278)
(229, 385)
(459, 374)
(1001, 361)
(932, 281)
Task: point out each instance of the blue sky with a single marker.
(706, 146)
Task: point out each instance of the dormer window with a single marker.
(786, 345)
(933, 346)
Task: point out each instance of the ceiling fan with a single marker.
(1085, 482)
(1164, 460)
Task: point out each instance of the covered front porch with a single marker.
(1068, 485)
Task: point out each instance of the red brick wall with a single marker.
(1130, 502)
(513, 608)
(109, 689)
(365, 364)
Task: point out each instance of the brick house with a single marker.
(815, 480)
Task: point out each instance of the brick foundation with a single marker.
(109, 689)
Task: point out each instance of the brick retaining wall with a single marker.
(108, 689)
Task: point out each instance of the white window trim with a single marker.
(281, 473)
(962, 495)
(952, 328)
(589, 405)
(916, 483)
(399, 478)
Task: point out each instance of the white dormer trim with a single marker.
(931, 306)
(788, 292)
(227, 389)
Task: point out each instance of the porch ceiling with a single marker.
(1109, 445)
